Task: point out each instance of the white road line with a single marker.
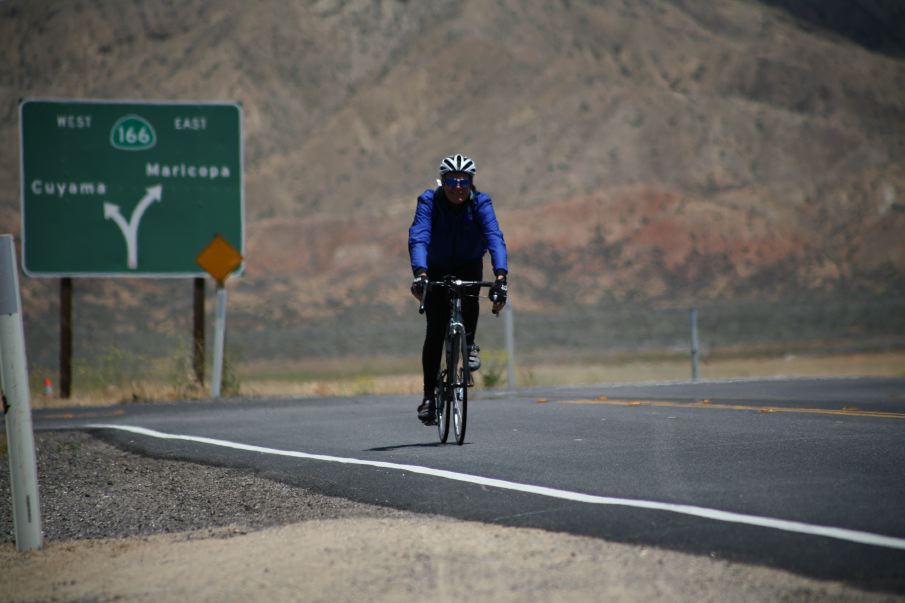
(714, 514)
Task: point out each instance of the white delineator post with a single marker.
(14, 382)
(509, 329)
(694, 344)
(219, 339)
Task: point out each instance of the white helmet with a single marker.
(458, 163)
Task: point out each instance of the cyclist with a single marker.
(454, 226)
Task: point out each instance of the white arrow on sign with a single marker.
(130, 230)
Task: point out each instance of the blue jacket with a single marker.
(445, 238)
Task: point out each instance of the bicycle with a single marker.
(454, 378)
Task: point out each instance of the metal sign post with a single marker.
(17, 405)
(219, 340)
(219, 259)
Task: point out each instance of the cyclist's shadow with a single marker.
(401, 446)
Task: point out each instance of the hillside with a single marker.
(664, 152)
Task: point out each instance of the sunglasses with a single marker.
(457, 182)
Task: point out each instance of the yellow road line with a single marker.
(848, 411)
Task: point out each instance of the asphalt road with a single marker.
(762, 472)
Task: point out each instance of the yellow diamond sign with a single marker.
(219, 258)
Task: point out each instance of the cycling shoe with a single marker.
(427, 412)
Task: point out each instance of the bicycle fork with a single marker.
(456, 327)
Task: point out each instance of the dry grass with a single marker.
(338, 378)
(151, 390)
(881, 364)
(324, 378)
(389, 384)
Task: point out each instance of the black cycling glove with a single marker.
(499, 291)
(418, 285)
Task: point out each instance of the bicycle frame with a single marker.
(455, 326)
(456, 288)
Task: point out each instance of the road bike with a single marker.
(454, 378)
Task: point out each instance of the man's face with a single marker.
(457, 186)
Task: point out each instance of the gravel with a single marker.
(91, 489)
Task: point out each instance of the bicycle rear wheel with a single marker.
(441, 399)
(458, 390)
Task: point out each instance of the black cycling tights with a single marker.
(437, 312)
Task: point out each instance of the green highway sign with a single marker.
(128, 188)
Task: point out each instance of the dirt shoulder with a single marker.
(123, 527)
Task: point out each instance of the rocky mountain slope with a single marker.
(662, 151)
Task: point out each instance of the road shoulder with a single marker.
(113, 532)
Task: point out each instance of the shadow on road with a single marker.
(401, 446)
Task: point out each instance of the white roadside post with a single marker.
(509, 329)
(694, 344)
(17, 405)
(219, 259)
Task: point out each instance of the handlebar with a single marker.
(453, 284)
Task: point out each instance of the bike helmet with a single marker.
(458, 163)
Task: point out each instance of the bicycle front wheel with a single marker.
(441, 399)
(458, 390)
